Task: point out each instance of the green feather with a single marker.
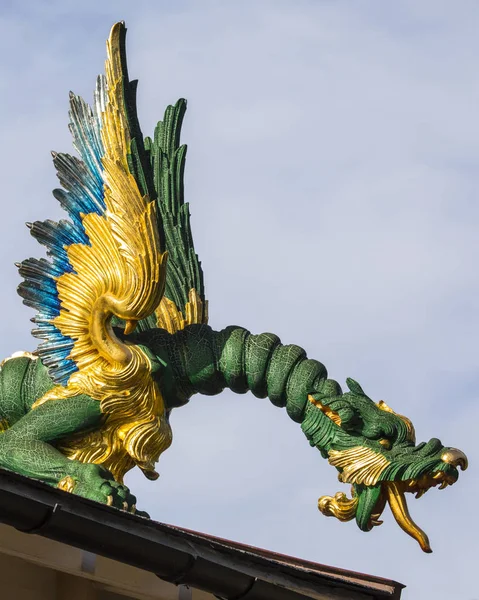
(168, 163)
(158, 166)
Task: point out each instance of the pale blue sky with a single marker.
(333, 179)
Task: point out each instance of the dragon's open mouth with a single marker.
(394, 494)
(369, 471)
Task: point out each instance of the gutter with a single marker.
(228, 570)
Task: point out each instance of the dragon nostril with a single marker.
(455, 457)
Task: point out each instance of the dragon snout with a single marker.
(456, 458)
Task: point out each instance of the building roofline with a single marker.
(227, 569)
(336, 574)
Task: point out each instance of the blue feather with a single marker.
(82, 194)
(85, 128)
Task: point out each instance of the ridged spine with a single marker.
(234, 358)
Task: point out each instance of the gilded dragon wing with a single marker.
(108, 265)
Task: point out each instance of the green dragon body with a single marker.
(92, 403)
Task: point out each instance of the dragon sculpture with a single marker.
(122, 315)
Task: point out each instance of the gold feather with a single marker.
(358, 464)
(170, 317)
(122, 273)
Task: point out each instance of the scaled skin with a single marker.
(200, 360)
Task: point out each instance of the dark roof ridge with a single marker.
(303, 564)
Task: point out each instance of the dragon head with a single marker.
(375, 450)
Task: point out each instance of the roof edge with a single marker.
(227, 569)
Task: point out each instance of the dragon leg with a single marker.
(28, 447)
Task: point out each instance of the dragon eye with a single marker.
(385, 443)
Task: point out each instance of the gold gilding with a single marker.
(411, 433)
(358, 465)
(456, 458)
(115, 131)
(135, 430)
(122, 272)
(339, 506)
(169, 317)
(331, 414)
(67, 484)
(399, 508)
